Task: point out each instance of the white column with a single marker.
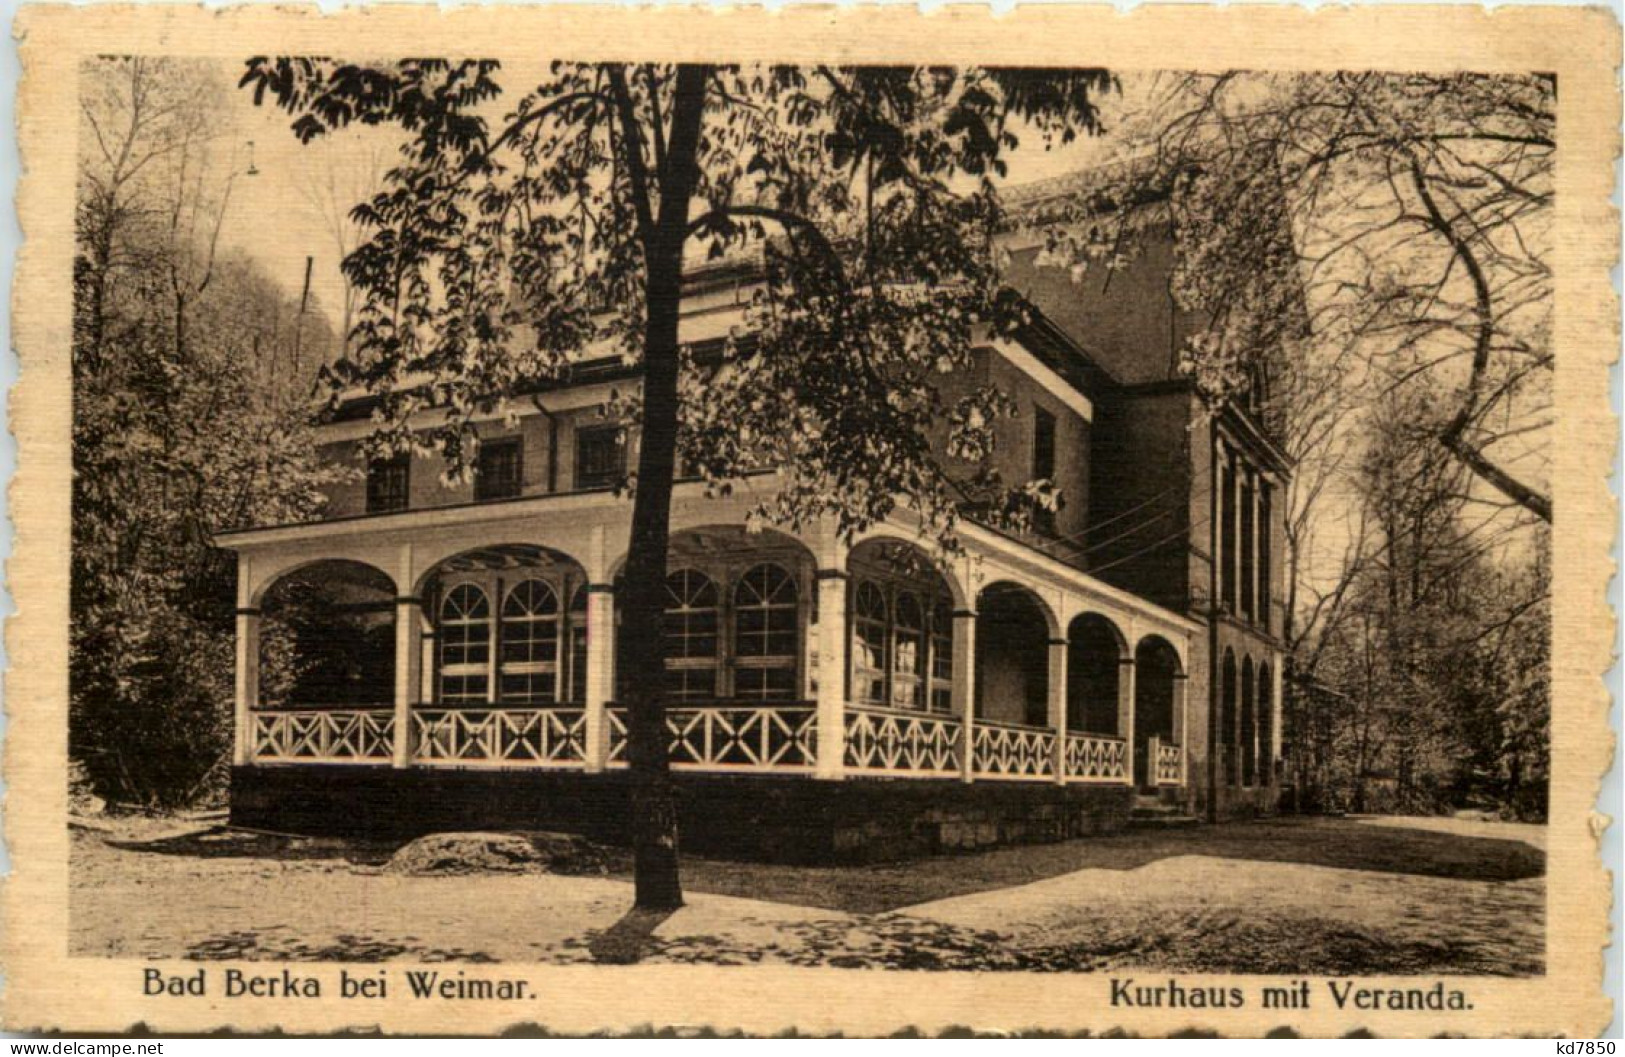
(408, 653)
(247, 689)
(1057, 704)
(964, 687)
(408, 672)
(1180, 688)
(832, 661)
(1125, 714)
(600, 672)
(1277, 711)
(426, 667)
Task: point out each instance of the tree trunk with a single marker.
(654, 807)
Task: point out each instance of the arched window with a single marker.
(464, 636)
(577, 630)
(1249, 726)
(942, 656)
(908, 652)
(767, 641)
(691, 636)
(871, 634)
(530, 643)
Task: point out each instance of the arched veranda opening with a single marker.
(901, 628)
(506, 625)
(738, 608)
(1156, 672)
(327, 638)
(1013, 631)
(1095, 651)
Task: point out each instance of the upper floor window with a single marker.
(1043, 445)
(389, 483)
(600, 456)
(1044, 463)
(497, 474)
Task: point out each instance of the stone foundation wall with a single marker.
(778, 819)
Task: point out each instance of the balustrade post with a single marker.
(1153, 761)
(832, 674)
(1181, 686)
(1125, 714)
(1057, 705)
(247, 687)
(600, 674)
(408, 672)
(964, 689)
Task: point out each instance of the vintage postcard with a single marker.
(834, 521)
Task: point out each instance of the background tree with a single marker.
(185, 423)
(1409, 213)
(499, 249)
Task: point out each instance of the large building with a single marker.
(432, 656)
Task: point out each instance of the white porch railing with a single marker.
(1096, 758)
(500, 737)
(1011, 750)
(899, 743)
(722, 737)
(732, 737)
(1168, 761)
(324, 736)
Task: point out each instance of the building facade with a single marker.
(431, 655)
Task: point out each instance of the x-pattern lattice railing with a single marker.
(732, 737)
(1095, 758)
(1170, 765)
(536, 737)
(893, 742)
(324, 736)
(1010, 750)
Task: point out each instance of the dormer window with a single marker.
(497, 475)
(389, 483)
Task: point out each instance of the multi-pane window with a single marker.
(691, 629)
(767, 637)
(1264, 584)
(942, 656)
(1043, 463)
(388, 483)
(600, 456)
(908, 652)
(577, 624)
(530, 643)
(1227, 535)
(497, 475)
(871, 639)
(1248, 566)
(902, 647)
(464, 637)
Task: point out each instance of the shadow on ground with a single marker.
(878, 888)
(221, 842)
(1338, 843)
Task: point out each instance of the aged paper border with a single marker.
(47, 989)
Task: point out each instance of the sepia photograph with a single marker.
(894, 519)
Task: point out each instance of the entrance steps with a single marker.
(1151, 812)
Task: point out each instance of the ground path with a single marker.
(1289, 896)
